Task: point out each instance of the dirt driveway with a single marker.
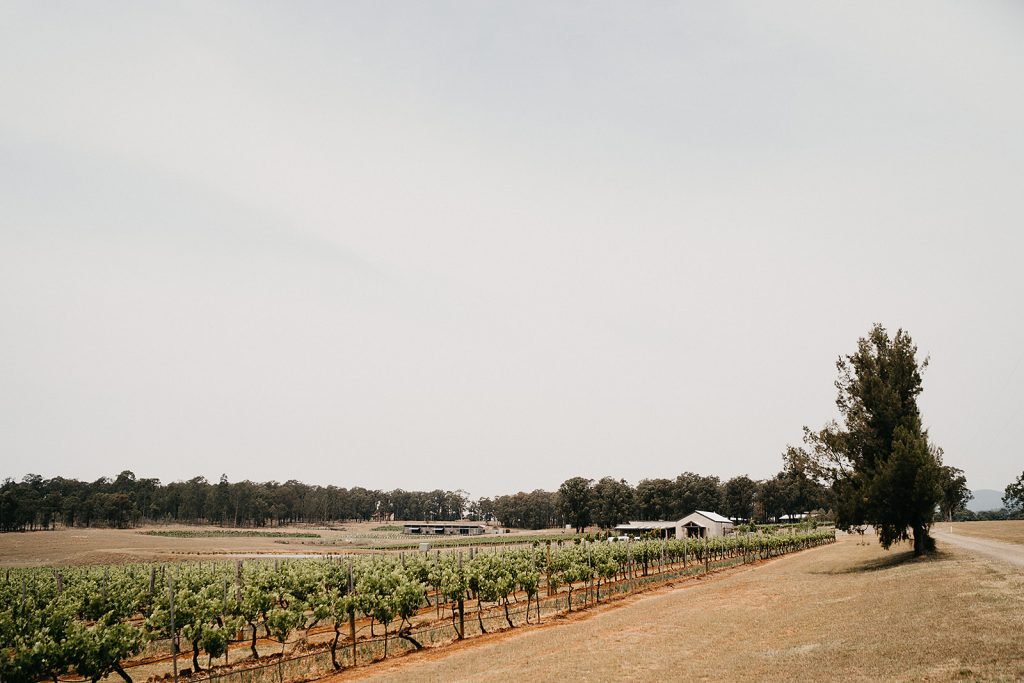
(1005, 552)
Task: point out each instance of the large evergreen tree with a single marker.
(882, 468)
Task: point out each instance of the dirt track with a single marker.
(997, 550)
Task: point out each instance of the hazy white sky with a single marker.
(491, 245)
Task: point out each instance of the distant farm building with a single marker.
(662, 529)
(698, 524)
(798, 517)
(443, 528)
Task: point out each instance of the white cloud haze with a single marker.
(494, 245)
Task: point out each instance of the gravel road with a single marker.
(1006, 552)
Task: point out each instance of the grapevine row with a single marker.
(94, 621)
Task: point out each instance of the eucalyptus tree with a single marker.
(955, 493)
(1013, 497)
(613, 502)
(739, 495)
(576, 501)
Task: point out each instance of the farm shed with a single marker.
(697, 524)
(702, 524)
(443, 528)
(663, 529)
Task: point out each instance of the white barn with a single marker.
(697, 524)
(701, 524)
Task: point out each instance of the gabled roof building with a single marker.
(697, 524)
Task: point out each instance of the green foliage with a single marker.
(1013, 497)
(882, 468)
(536, 510)
(738, 494)
(673, 498)
(98, 650)
(955, 493)
(613, 502)
(576, 498)
(283, 620)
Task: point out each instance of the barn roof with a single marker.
(662, 524)
(714, 516)
(646, 526)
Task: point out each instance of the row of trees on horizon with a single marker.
(125, 501)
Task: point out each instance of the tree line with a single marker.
(125, 501)
(607, 502)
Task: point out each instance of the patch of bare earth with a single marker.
(849, 611)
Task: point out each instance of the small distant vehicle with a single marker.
(618, 539)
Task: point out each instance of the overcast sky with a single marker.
(492, 245)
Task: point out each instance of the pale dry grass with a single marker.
(111, 546)
(1008, 531)
(114, 546)
(850, 611)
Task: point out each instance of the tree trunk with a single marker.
(352, 633)
(462, 618)
(923, 543)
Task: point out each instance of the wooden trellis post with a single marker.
(352, 612)
(174, 642)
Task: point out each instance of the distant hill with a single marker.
(985, 499)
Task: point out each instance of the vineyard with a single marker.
(223, 619)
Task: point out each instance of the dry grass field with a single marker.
(849, 611)
(1008, 531)
(109, 546)
(112, 546)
